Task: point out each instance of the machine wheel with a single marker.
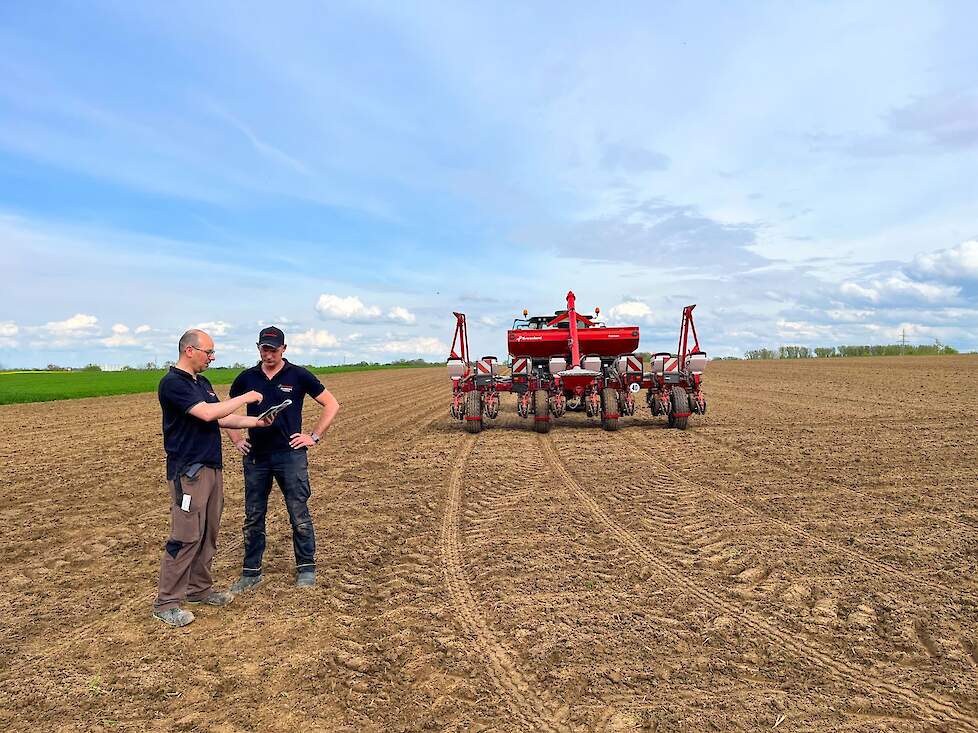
(473, 412)
(609, 406)
(678, 402)
(541, 411)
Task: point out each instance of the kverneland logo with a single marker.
(521, 337)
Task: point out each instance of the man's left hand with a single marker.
(301, 440)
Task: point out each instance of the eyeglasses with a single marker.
(209, 352)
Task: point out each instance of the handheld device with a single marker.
(271, 412)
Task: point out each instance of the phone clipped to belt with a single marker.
(189, 472)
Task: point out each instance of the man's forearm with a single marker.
(326, 418)
(233, 433)
(218, 410)
(233, 422)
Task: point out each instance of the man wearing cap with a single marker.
(279, 452)
(192, 413)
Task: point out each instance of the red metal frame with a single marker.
(572, 317)
(685, 327)
(461, 337)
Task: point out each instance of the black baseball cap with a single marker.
(271, 336)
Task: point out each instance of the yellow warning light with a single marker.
(525, 312)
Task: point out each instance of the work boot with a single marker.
(305, 579)
(214, 598)
(175, 617)
(246, 582)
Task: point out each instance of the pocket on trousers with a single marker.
(185, 526)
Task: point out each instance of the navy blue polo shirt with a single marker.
(187, 439)
(291, 383)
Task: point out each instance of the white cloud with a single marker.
(314, 339)
(120, 328)
(345, 309)
(802, 330)
(78, 325)
(417, 345)
(849, 314)
(632, 312)
(215, 328)
(898, 289)
(488, 321)
(120, 339)
(398, 313)
(143, 329)
(8, 329)
(354, 310)
(953, 264)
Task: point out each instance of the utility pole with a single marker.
(903, 342)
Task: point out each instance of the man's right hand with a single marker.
(254, 396)
(243, 446)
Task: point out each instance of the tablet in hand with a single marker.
(271, 412)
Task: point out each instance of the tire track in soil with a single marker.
(81, 633)
(532, 709)
(836, 482)
(880, 565)
(934, 708)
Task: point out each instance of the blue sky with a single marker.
(804, 172)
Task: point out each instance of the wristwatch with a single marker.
(315, 438)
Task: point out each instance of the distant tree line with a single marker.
(828, 352)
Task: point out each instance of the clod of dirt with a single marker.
(825, 611)
(863, 617)
(796, 593)
(751, 575)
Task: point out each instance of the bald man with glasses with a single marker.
(192, 418)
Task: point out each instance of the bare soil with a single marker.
(802, 558)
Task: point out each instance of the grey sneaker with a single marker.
(246, 582)
(214, 598)
(175, 617)
(305, 579)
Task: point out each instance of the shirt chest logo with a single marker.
(285, 387)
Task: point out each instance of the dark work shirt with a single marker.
(291, 383)
(187, 439)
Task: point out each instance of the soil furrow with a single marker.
(528, 705)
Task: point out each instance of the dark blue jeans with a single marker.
(290, 469)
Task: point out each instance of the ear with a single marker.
(284, 347)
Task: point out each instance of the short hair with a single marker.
(190, 338)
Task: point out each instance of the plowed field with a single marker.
(802, 558)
